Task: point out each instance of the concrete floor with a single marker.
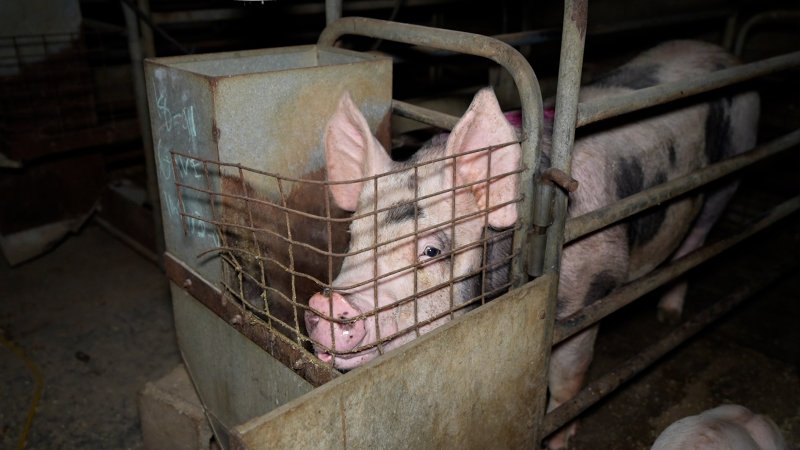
(95, 317)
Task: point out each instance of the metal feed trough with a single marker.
(241, 173)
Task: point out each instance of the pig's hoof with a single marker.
(669, 316)
(560, 440)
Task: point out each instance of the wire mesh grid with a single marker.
(348, 284)
(64, 91)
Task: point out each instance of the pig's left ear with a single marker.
(484, 125)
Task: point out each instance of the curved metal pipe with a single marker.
(760, 19)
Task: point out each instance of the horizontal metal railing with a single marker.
(598, 219)
(603, 108)
(609, 382)
(424, 115)
(591, 314)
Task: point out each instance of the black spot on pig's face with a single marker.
(633, 77)
(402, 212)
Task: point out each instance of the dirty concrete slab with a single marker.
(95, 317)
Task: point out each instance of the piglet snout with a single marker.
(332, 334)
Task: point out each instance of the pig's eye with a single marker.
(431, 251)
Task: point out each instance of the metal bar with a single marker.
(477, 45)
(759, 19)
(277, 345)
(531, 37)
(598, 219)
(543, 197)
(148, 41)
(593, 313)
(569, 76)
(603, 108)
(612, 380)
(730, 32)
(424, 115)
(143, 114)
(146, 19)
(333, 10)
(569, 79)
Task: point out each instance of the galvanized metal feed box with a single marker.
(265, 110)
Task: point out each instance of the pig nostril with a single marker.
(312, 319)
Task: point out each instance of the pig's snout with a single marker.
(338, 336)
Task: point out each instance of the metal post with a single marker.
(333, 10)
(135, 49)
(569, 81)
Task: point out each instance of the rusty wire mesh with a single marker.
(282, 239)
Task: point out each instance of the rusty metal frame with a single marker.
(241, 319)
(781, 16)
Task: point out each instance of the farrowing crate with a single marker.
(489, 388)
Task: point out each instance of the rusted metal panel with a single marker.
(460, 386)
(235, 379)
(247, 324)
(263, 109)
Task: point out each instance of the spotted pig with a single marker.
(731, 427)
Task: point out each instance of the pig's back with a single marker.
(613, 161)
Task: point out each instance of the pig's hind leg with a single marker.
(730, 130)
(590, 270)
(670, 306)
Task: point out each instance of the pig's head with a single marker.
(417, 250)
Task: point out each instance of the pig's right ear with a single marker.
(351, 153)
